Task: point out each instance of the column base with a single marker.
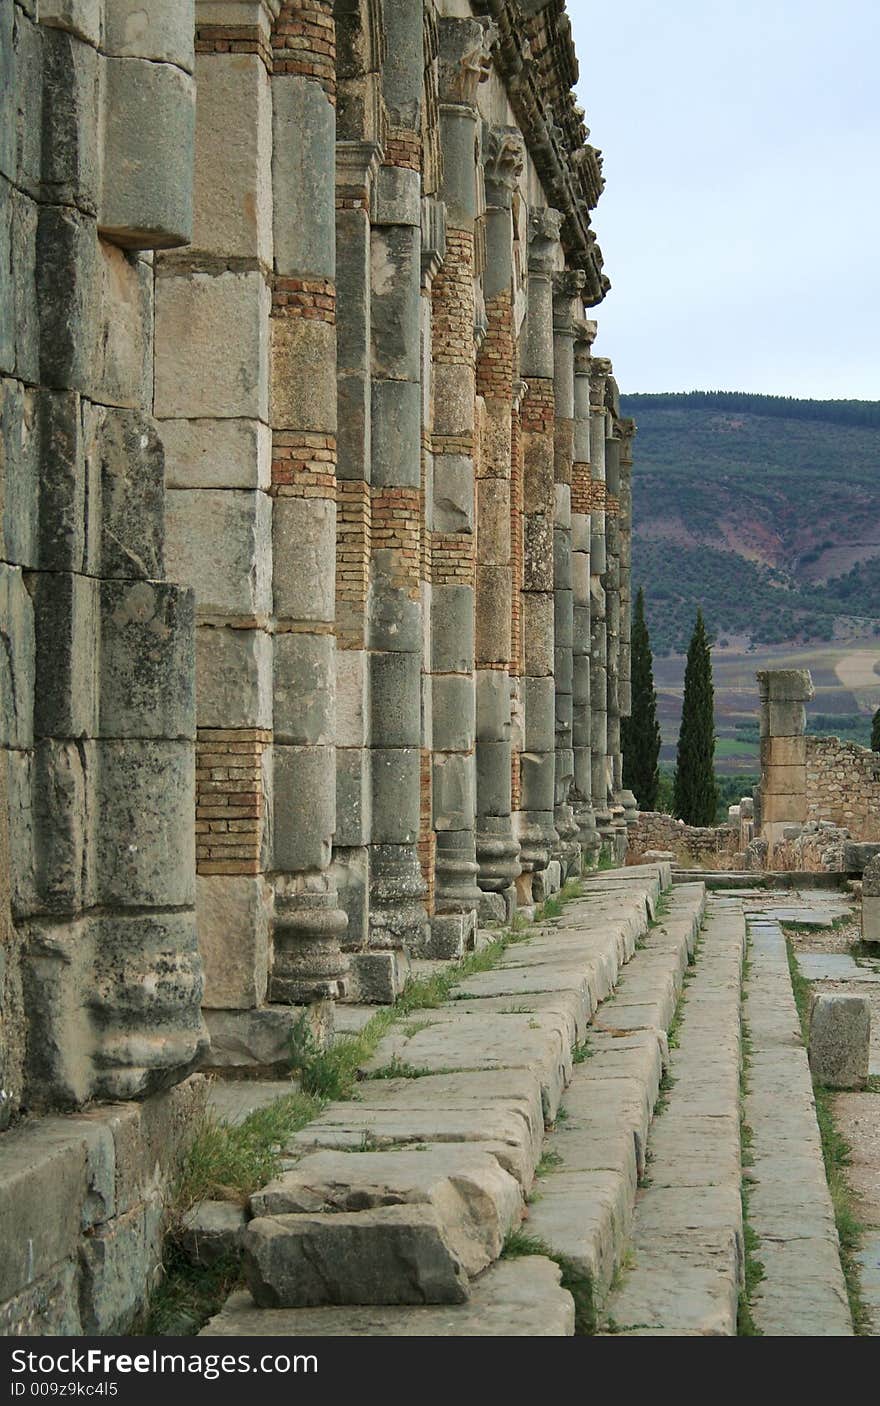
(308, 964)
(497, 854)
(455, 872)
(397, 911)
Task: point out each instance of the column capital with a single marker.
(584, 336)
(503, 162)
(545, 225)
(465, 48)
(568, 284)
(356, 167)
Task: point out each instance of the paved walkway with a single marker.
(803, 1293)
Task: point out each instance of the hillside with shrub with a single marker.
(763, 510)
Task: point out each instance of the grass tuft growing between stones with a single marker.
(837, 1154)
(520, 1243)
(746, 1326)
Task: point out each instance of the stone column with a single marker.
(598, 637)
(497, 847)
(101, 979)
(612, 622)
(538, 835)
(568, 286)
(398, 923)
(627, 433)
(581, 501)
(308, 922)
(212, 396)
(356, 167)
(783, 792)
(463, 63)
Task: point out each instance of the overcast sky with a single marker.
(741, 221)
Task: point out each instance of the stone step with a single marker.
(584, 1207)
(466, 1126)
(802, 1293)
(685, 1263)
(519, 1298)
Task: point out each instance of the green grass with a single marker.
(520, 1243)
(837, 1155)
(754, 1269)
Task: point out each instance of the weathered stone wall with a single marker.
(655, 830)
(843, 786)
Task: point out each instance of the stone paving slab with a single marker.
(584, 1206)
(520, 1298)
(233, 1100)
(803, 1293)
(687, 1256)
(835, 966)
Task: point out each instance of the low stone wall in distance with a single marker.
(705, 844)
(843, 786)
(82, 1212)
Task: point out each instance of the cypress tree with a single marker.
(696, 796)
(640, 732)
(875, 732)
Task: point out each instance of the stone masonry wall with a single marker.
(657, 831)
(843, 786)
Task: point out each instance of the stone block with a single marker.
(212, 346)
(212, 1231)
(123, 371)
(43, 1183)
(380, 976)
(453, 398)
(785, 685)
(493, 614)
(304, 807)
(162, 32)
(452, 629)
(783, 720)
(117, 1265)
(870, 917)
(783, 752)
(563, 619)
(397, 197)
(111, 484)
(395, 612)
(395, 774)
(784, 781)
(47, 1307)
(79, 17)
(538, 485)
(454, 791)
(70, 121)
(350, 872)
(303, 157)
(66, 617)
(538, 553)
(251, 1039)
(453, 711)
(68, 353)
(395, 709)
(233, 677)
(148, 153)
(492, 705)
(395, 273)
(303, 375)
(233, 914)
(493, 778)
(840, 1038)
(539, 702)
(454, 493)
(17, 664)
(353, 796)
(352, 694)
(394, 1254)
(7, 201)
(857, 857)
(447, 935)
(147, 682)
(493, 497)
(232, 156)
(537, 608)
(305, 690)
(217, 453)
(145, 800)
(304, 551)
(218, 542)
(395, 419)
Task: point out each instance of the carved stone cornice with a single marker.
(544, 230)
(356, 166)
(503, 162)
(534, 56)
(465, 59)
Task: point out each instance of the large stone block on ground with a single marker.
(475, 1199)
(390, 1254)
(515, 1298)
(840, 1038)
(118, 1264)
(253, 1039)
